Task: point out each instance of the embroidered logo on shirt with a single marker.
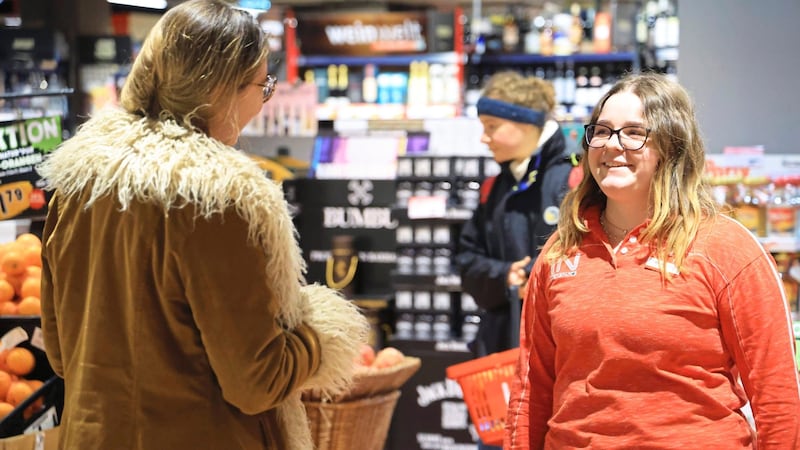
(565, 267)
(550, 215)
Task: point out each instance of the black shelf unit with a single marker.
(428, 302)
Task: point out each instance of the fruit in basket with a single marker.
(388, 357)
(366, 355)
(29, 306)
(7, 292)
(13, 263)
(8, 309)
(20, 269)
(5, 409)
(32, 256)
(28, 239)
(18, 392)
(20, 361)
(31, 287)
(5, 383)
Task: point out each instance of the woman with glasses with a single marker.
(173, 302)
(652, 319)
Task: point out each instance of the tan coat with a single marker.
(173, 301)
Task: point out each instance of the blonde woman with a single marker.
(651, 319)
(173, 302)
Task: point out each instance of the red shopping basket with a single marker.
(486, 384)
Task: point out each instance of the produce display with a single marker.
(15, 364)
(20, 292)
(21, 276)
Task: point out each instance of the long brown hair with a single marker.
(198, 54)
(680, 200)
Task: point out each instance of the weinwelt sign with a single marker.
(363, 34)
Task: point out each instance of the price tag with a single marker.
(14, 198)
(427, 207)
(12, 338)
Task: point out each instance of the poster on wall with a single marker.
(23, 145)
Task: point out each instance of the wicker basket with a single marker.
(361, 424)
(380, 381)
(368, 382)
(359, 419)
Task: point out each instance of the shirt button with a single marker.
(633, 240)
(623, 250)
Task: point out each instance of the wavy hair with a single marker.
(200, 53)
(680, 199)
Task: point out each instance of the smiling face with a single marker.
(624, 176)
(509, 140)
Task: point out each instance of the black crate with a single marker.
(51, 395)
(32, 327)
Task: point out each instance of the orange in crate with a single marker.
(486, 384)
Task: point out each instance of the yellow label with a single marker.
(14, 198)
(749, 216)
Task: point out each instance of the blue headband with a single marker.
(510, 111)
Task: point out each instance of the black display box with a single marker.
(431, 413)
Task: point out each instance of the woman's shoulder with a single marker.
(722, 238)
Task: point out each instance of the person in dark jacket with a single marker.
(518, 208)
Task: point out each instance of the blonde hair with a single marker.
(199, 54)
(530, 92)
(680, 198)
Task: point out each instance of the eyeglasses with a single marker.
(268, 88)
(630, 138)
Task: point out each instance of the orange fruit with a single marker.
(37, 404)
(33, 271)
(32, 256)
(8, 309)
(18, 392)
(20, 361)
(15, 280)
(5, 383)
(5, 409)
(7, 291)
(31, 287)
(6, 246)
(34, 384)
(13, 263)
(29, 306)
(28, 239)
(34, 407)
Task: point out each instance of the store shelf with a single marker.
(780, 244)
(380, 60)
(580, 58)
(451, 215)
(450, 282)
(50, 93)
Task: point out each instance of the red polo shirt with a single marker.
(611, 357)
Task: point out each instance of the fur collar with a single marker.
(161, 162)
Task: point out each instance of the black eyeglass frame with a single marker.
(613, 132)
(268, 87)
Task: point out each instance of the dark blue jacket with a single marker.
(512, 221)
